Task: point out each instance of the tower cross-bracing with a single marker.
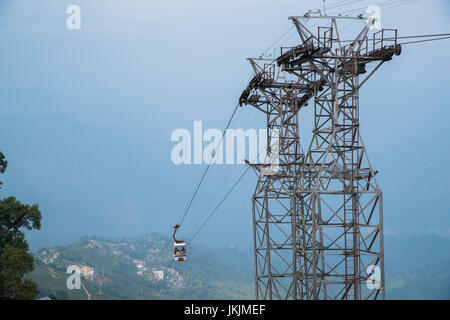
(318, 219)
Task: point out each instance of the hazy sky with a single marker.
(86, 115)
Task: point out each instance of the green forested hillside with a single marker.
(416, 268)
(123, 270)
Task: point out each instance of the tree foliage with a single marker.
(15, 260)
(3, 165)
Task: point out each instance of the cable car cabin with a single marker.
(179, 247)
(179, 250)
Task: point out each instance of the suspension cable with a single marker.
(385, 5)
(197, 188)
(426, 40)
(219, 204)
(214, 211)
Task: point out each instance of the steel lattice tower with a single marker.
(318, 221)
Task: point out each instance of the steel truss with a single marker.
(318, 221)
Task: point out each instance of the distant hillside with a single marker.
(416, 268)
(123, 270)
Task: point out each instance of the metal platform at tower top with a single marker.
(318, 221)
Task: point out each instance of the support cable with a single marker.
(219, 204)
(426, 40)
(202, 178)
